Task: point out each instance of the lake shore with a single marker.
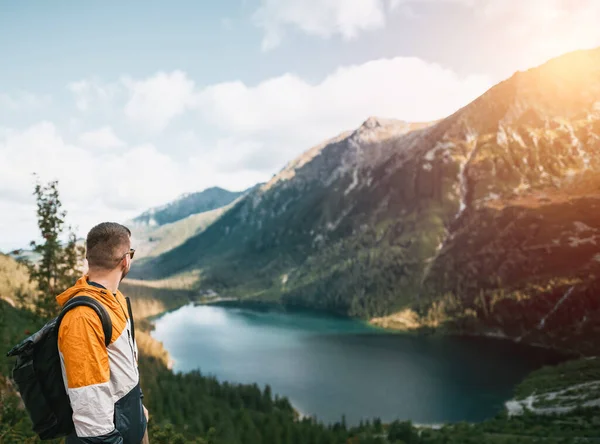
(406, 321)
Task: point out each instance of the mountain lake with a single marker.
(330, 366)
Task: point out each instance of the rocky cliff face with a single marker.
(522, 259)
(486, 221)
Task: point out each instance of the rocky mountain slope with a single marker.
(487, 221)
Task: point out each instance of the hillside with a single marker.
(153, 240)
(196, 408)
(14, 281)
(186, 205)
(486, 221)
(161, 229)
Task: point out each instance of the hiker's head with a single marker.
(108, 249)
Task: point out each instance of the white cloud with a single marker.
(95, 185)
(91, 93)
(323, 18)
(155, 101)
(38, 149)
(88, 180)
(533, 30)
(247, 133)
(270, 113)
(150, 103)
(103, 137)
(18, 224)
(131, 178)
(286, 114)
(257, 129)
(547, 28)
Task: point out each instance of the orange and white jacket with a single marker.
(103, 382)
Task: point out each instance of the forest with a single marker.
(198, 408)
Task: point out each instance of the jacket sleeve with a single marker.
(86, 370)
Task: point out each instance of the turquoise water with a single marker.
(329, 366)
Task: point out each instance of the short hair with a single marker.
(105, 243)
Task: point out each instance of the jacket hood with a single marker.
(82, 287)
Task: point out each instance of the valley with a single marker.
(486, 222)
(194, 407)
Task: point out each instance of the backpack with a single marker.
(38, 374)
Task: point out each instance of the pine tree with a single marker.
(59, 264)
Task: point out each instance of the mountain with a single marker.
(186, 205)
(485, 222)
(153, 240)
(161, 229)
(26, 255)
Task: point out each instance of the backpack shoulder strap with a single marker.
(131, 319)
(87, 301)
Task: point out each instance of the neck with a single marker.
(110, 279)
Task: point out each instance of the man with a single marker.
(103, 382)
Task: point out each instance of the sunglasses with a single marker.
(131, 252)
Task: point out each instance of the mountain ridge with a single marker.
(186, 205)
(434, 217)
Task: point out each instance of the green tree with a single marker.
(403, 431)
(59, 262)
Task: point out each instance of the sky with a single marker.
(131, 104)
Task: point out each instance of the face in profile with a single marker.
(126, 262)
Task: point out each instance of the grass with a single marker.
(560, 377)
(15, 325)
(14, 280)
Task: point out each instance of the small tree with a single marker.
(59, 263)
